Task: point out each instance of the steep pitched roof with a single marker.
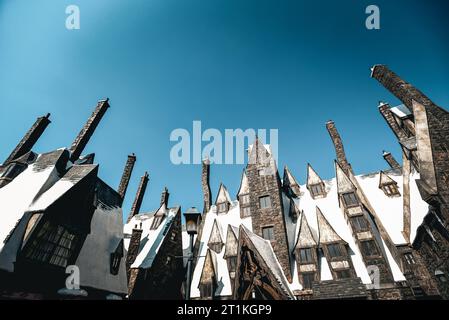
(223, 195)
(288, 178)
(244, 187)
(343, 182)
(305, 235)
(384, 179)
(325, 230)
(312, 176)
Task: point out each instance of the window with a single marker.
(409, 258)
(265, 202)
(53, 244)
(232, 263)
(306, 255)
(316, 189)
(244, 199)
(157, 220)
(116, 256)
(334, 250)
(350, 199)
(246, 212)
(207, 290)
(267, 233)
(360, 224)
(369, 248)
(222, 207)
(391, 189)
(307, 280)
(343, 274)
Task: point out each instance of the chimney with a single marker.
(205, 175)
(402, 90)
(164, 197)
(391, 160)
(126, 176)
(139, 196)
(384, 109)
(338, 144)
(88, 130)
(30, 138)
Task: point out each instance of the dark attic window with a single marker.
(222, 207)
(360, 224)
(157, 220)
(206, 290)
(369, 248)
(343, 274)
(391, 189)
(52, 244)
(265, 202)
(306, 255)
(350, 199)
(409, 258)
(334, 250)
(307, 280)
(268, 233)
(316, 190)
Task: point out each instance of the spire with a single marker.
(88, 130)
(30, 138)
(290, 184)
(338, 144)
(343, 183)
(139, 196)
(205, 185)
(391, 160)
(126, 176)
(164, 196)
(326, 232)
(258, 154)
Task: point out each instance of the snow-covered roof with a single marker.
(401, 111)
(312, 176)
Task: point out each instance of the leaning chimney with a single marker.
(391, 160)
(30, 138)
(338, 144)
(139, 196)
(164, 197)
(88, 130)
(205, 175)
(126, 176)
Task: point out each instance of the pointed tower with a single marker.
(266, 205)
(314, 184)
(139, 196)
(390, 160)
(164, 197)
(223, 200)
(126, 176)
(290, 185)
(334, 248)
(306, 254)
(29, 139)
(88, 130)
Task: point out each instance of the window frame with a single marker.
(335, 245)
(244, 199)
(246, 214)
(263, 204)
(222, 207)
(365, 247)
(316, 189)
(340, 272)
(409, 258)
(356, 223)
(309, 255)
(270, 233)
(352, 196)
(307, 285)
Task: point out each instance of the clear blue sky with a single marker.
(290, 65)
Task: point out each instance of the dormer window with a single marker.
(246, 212)
(206, 290)
(316, 190)
(360, 224)
(350, 199)
(222, 207)
(391, 189)
(307, 280)
(334, 250)
(306, 256)
(244, 199)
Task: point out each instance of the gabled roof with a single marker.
(231, 247)
(209, 271)
(223, 195)
(305, 235)
(343, 183)
(216, 235)
(289, 179)
(384, 179)
(258, 153)
(244, 187)
(312, 176)
(326, 233)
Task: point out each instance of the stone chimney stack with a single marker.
(164, 197)
(401, 89)
(30, 138)
(88, 130)
(338, 144)
(391, 160)
(384, 109)
(205, 175)
(139, 196)
(126, 176)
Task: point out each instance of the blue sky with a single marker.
(287, 65)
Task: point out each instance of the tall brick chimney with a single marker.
(88, 130)
(164, 197)
(30, 138)
(338, 144)
(139, 196)
(126, 176)
(205, 175)
(391, 160)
